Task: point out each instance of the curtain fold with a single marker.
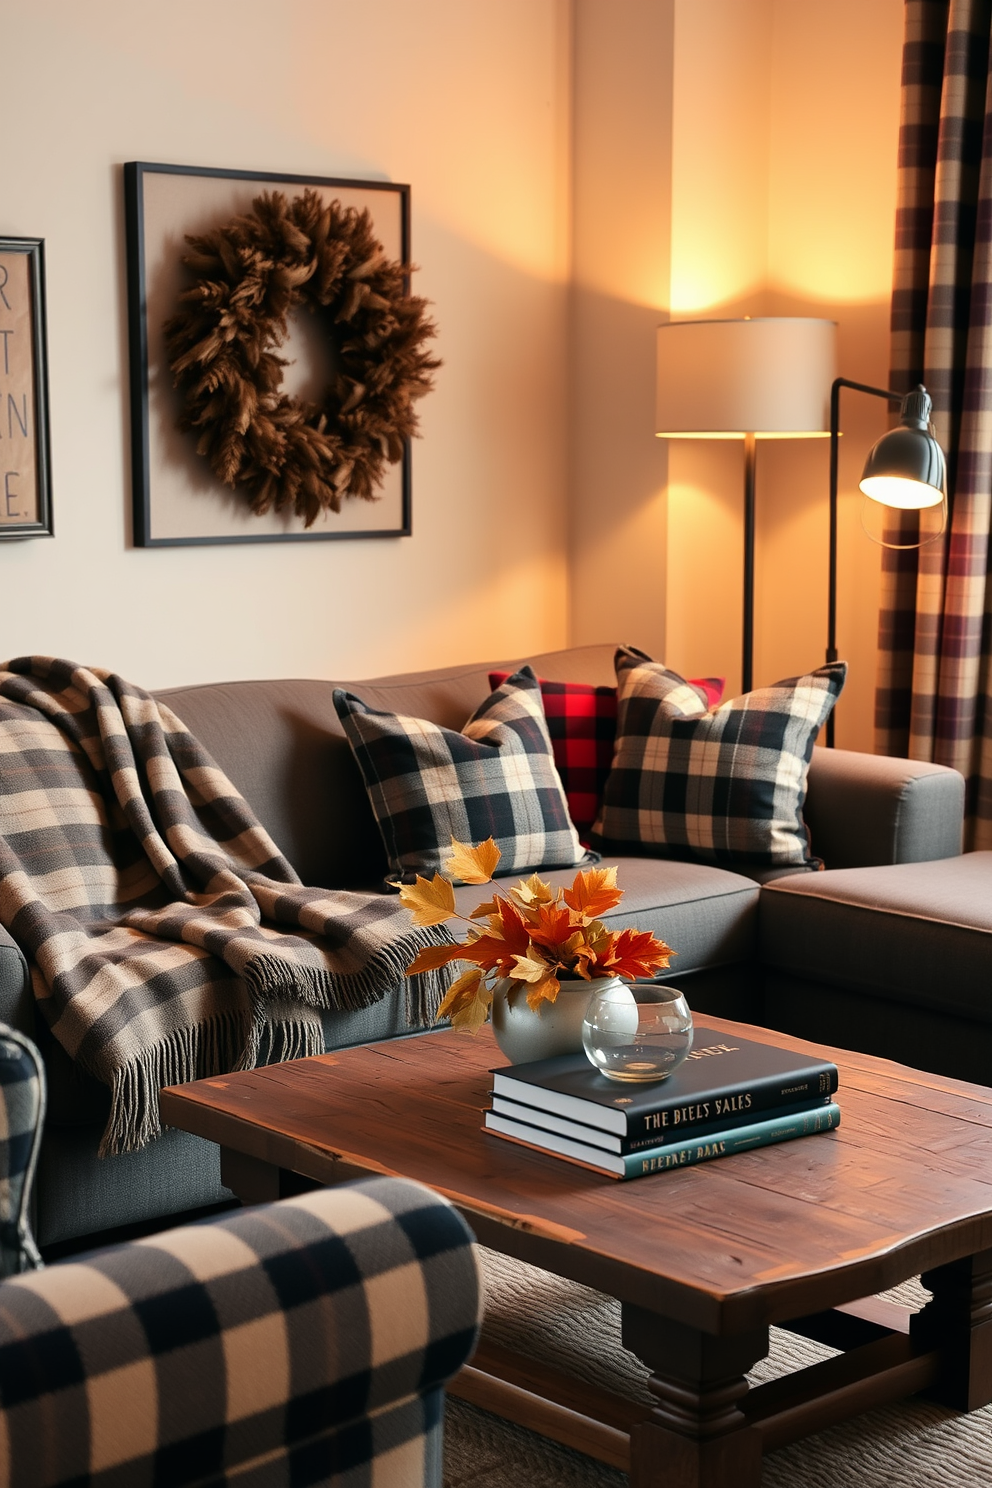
(935, 632)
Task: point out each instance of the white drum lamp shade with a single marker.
(724, 379)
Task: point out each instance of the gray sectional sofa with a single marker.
(852, 956)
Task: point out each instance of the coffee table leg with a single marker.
(958, 1321)
(697, 1436)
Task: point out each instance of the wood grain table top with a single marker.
(904, 1184)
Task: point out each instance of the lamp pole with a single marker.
(747, 658)
(858, 387)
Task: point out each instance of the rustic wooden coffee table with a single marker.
(702, 1259)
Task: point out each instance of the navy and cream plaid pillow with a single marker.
(722, 786)
(497, 778)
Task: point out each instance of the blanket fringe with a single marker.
(270, 978)
(211, 1048)
(230, 1041)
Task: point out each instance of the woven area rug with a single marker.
(552, 1319)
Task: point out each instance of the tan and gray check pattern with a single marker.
(300, 1342)
(168, 937)
(934, 699)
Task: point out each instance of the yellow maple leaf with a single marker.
(473, 865)
(489, 907)
(529, 969)
(430, 901)
(593, 892)
(543, 991)
(531, 892)
(466, 1001)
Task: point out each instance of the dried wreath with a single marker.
(223, 342)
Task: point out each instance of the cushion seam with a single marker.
(884, 909)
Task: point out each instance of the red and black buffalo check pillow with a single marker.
(725, 786)
(582, 722)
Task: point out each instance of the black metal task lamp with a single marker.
(766, 377)
(905, 470)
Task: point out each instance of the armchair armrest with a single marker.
(16, 999)
(296, 1341)
(865, 810)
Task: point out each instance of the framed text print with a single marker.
(25, 494)
(260, 404)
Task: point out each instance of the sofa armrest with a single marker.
(16, 1000)
(864, 810)
(288, 1343)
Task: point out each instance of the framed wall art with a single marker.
(230, 445)
(25, 491)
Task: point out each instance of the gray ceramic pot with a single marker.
(556, 1028)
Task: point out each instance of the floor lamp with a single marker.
(905, 470)
(762, 378)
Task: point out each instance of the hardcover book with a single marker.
(609, 1142)
(722, 1078)
(703, 1147)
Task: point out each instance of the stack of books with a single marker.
(728, 1095)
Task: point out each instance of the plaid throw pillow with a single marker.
(497, 778)
(582, 722)
(725, 786)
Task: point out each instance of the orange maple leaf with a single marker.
(636, 953)
(512, 928)
(431, 958)
(491, 952)
(593, 892)
(552, 927)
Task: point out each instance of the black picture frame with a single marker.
(25, 455)
(171, 485)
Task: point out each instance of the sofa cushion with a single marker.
(496, 778)
(917, 933)
(724, 786)
(582, 722)
(707, 915)
(283, 746)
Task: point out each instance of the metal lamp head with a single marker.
(905, 468)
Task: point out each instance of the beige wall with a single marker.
(748, 147)
(468, 103)
(620, 266)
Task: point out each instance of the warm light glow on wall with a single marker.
(831, 202)
(719, 154)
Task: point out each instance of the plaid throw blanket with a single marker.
(169, 938)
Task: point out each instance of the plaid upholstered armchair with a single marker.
(301, 1342)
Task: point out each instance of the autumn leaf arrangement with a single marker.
(533, 934)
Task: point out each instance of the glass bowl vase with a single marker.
(637, 1031)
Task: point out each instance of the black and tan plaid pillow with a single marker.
(497, 778)
(722, 786)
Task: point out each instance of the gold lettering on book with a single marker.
(728, 1104)
(666, 1160)
(712, 1049)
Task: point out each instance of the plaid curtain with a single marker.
(935, 641)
